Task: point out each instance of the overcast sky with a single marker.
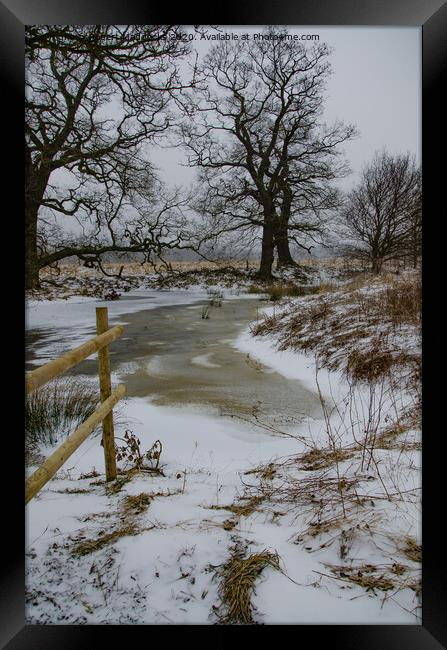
(376, 85)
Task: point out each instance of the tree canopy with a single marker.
(97, 98)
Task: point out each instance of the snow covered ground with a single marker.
(92, 557)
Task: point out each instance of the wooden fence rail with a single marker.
(37, 378)
(103, 413)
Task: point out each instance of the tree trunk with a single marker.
(35, 186)
(31, 258)
(31, 210)
(282, 246)
(376, 265)
(267, 253)
(282, 230)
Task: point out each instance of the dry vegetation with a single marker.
(87, 546)
(376, 578)
(342, 491)
(347, 490)
(363, 326)
(237, 582)
(136, 503)
(75, 279)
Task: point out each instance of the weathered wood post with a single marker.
(105, 385)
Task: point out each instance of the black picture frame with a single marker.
(431, 15)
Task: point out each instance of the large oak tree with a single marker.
(265, 157)
(97, 98)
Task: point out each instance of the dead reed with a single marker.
(238, 577)
(87, 546)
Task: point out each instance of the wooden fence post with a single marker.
(105, 384)
(49, 468)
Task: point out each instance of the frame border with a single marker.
(431, 15)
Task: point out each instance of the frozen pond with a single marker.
(172, 356)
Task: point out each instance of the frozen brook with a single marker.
(171, 356)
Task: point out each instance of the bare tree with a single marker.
(415, 224)
(381, 217)
(306, 203)
(257, 136)
(96, 98)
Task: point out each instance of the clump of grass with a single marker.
(319, 310)
(323, 287)
(264, 471)
(317, 459)
(238, 577)
(371, 577)
(403, 301)
(397, 301)
(267, 325)
(254, 288)
(413, 550)
(268, 472)
(370, 364)
(87, 546)
(136, 503)
(279, 290)
(319, 528)
(241, 509)
(117, 485)
(56, 409)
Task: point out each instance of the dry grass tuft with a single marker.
(87, 546)
(369, 365)
(397, 301)
(317, 459)
(136, 503)
(370, 577)
(280, 290)
(390, 438)
(238, 576)
(268, 472)
(413, 550)
(403, 301)
(267, 325)
(319, 528)
(241, 509)
(324, 287)
(117, 485)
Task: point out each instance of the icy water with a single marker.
(174, 357)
